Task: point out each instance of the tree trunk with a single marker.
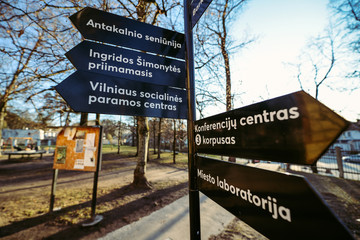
(2, 120)
(83, 119)
(228, 81)
(154, 136)
(140, 179)
(133, 133)
(119, 137)
(174, 143)
(159, 138)
(97, 120)
(137, 137)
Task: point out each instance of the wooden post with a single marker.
(53, 189)
(339, 162)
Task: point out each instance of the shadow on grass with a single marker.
(113, 219)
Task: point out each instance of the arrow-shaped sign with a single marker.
(96, 93)
(294, 128)
(110, 28)
(198, 7)
(123, 63)
(278, 205)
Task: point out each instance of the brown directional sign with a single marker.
(110, 28)
(295, 128)
(278, 205)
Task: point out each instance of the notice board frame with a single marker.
(77, 148)
(98, 130)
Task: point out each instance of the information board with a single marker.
(77, 148)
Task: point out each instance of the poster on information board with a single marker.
(77, 148)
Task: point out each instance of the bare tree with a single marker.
(34, 37)
(31, 50)
(145, 13)
(214, 47)
(318, 62)
(348, 14)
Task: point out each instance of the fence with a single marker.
(337, 163)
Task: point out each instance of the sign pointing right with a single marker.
(295, 128)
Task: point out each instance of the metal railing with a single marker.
(337, 163)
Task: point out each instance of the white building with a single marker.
(349, 140)
(23, 133)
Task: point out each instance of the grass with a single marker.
(181, 159)
(18, 208)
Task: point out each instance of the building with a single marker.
(349, 140)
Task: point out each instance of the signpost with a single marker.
(119, 80)
(294, 128)
(194, 197)
(97, 93)
(129, 64)
(103, 83)
(110, 28)
(278, 205)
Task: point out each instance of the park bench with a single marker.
(22, 153)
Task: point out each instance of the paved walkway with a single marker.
(172, 222)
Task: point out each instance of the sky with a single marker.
(283, 27)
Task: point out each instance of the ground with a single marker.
(25, 187)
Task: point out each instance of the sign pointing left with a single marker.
(124, 63)
(110, 28)
(96, 93)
